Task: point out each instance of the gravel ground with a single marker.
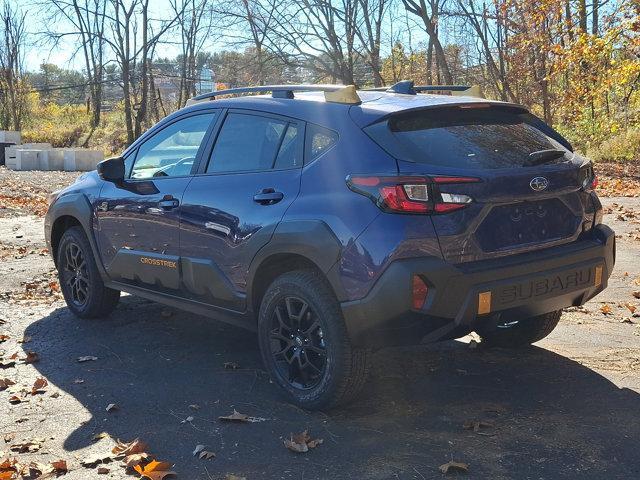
(566, 408)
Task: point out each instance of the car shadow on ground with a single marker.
(551, 416)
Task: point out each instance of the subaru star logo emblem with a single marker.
(538, 184)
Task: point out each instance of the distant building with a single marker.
(206, 81)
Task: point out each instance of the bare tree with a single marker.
(130, 25)
(194, 22)
(87, 21)
(429, 12)
(12, 88)
(369, 32)
(320, 34)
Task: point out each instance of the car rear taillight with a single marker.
(411, 194)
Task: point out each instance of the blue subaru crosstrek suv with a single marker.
(334, 221)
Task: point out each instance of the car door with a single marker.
(233, 205)
(139, 219)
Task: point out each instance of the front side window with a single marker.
(249, 142)
(172, 151)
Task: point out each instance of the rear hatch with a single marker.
(520, 185)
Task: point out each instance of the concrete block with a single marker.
(7, 136)
(52, 159)
(35, 146)
(10, 157)
(81, 159)
(27, 160)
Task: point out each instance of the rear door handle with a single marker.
(168, 203)
(268, 196)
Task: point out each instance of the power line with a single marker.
(103, 82)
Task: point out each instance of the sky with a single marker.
(63, 55)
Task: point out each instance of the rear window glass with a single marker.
(466, 138)
(318, 141)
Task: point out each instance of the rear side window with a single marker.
(318, 141)
(250, 142)
(485, 138)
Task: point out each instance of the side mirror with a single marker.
(111, 169)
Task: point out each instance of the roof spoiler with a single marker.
(333, 93)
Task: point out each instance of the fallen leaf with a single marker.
(92, 460)
(240, 418)
(32, 357)
(135, 459)
(7, 363)
(27, 446)
(155, 470)
(301, 442)
(9, 468)
(87, 358)
(636, 294)
(134, 446)
(198, 449)
(235, 417)
(202, 453)
(17, 399)
(55, 394)
(206, 455)
(60, 465)
(631, 307)
(102, 470)
(100, 436)
(111, 406)
(606, 309)
(6, 383)
(39, 386)
(47, 470)
(4, 338)
(476, 425)
(455, 466)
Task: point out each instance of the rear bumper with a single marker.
(520, 286)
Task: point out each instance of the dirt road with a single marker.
(566, 408)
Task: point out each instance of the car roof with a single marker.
(312, 106)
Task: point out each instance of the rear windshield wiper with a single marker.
(543, 156)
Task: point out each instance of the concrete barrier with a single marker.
(27, 160)
(7, 136)
(10, 156)
(81, 159)
(51, 159)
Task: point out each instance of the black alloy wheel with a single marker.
(297, 343)
(75, 274)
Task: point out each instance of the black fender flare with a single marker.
(78, 206)
(311, 239)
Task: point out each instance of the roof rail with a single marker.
(277, 91)
(408, 88)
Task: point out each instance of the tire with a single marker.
(523, 333)
(80, 280)
(307, 351)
